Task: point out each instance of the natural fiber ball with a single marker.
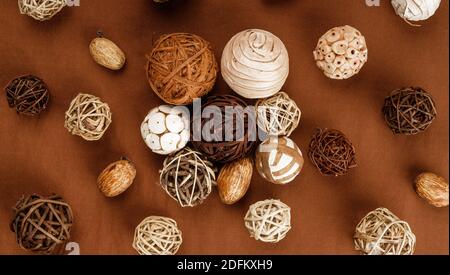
(278, 115)
(41, 224)
(157, 236)
(255, 64)
(415, 10)
(382, 233)
(279, 160)
(433, 189)
(181, 67)
(166, 129)
(409, 111)
(268, 221)
(88, 117)
(41, 9)
(332, 152)
(225, 141)
(28, 94)
(187, 177)
(341, 52)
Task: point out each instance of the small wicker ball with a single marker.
(28, 94)
(255, 64)
(383, 233)
(341, 52)
(42, 224)
(415, 10)
(332, 152)
(432, 188)
(278, 115)
(187, 177)
(166, 129)
(88, 117)
(225, 142)
(157, 236)
(41, 10)
(268, 221)
(181, 67)
(409, 111)
(279, 160)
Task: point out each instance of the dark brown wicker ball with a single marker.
(409, 111)
(42, 224)
(331, 152)
(219, 148)
(28, 94)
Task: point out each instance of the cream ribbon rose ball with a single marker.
(415, 10)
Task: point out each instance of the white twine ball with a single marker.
(415, 10)
(41, 10)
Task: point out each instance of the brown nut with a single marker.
(116, 178)
(433, 189)
(234, 180)
(107, 54)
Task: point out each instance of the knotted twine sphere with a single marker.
(28, 94)
(157, 236)
(415, 10)
(409, 111)
(383, 233)
(181, 67)
(88, 117)
(231, 131)
(255, 64)
(41, 224)
(268, 221)
(278, 115)
(41, 9)
(187, 177)
(332, 152)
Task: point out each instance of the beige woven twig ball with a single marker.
(268, 221)
(415, 10)
(341, 52)
(88, 117)
(383, 233)
(41, 9)
(157, 236)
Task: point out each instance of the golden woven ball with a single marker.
(41, 10)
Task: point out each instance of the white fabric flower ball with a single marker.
(415, 10)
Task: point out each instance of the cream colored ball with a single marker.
(41, 10)
(415, 10)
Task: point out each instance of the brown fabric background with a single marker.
(40, 156)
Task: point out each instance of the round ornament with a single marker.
(41, 10)
(415, 10)
(116, 178)
(433, 189)
(27, 94)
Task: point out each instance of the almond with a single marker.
(234, 180)
(107, 54)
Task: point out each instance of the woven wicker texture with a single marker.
(41, 9)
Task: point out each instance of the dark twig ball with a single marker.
(28, 94)
(331, 152)
(409, 111)
(41, 223)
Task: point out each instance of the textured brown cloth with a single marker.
(40, 156)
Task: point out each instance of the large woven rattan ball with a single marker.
(157, 236)
(341, 52)
(181, 67)
(88, 117)
(415, 10)
(41, 10)
(42, 224)
(27, 94)
(382, 233)
(268, 221)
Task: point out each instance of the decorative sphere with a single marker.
(415, 10)
(28, 94)
(41, 10)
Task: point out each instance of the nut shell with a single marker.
(432, 188)
(234, 180)
(107, 54)
(116, 178)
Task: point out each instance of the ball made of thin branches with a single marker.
(88, 117)
(225, 142)
(268, 221)
(41, 224)
(382, 233)
(181, 67)
(28, 94)
(278, 115)
(157, 236)
(409, 111)
(187, 177)
(332, 152)
(41, 9)
(415, 10)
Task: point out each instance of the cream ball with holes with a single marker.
(165, 129)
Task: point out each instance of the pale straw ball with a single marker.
(41, 9)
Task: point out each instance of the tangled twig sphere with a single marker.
(383, 233)
(181, 67)
(278, 115)
(42, 223)
(88, 117)
(41, 9)
(409, 111)
(268, 221)
(28, 94)
(187, 177)
(332, 152)
(157, 236)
